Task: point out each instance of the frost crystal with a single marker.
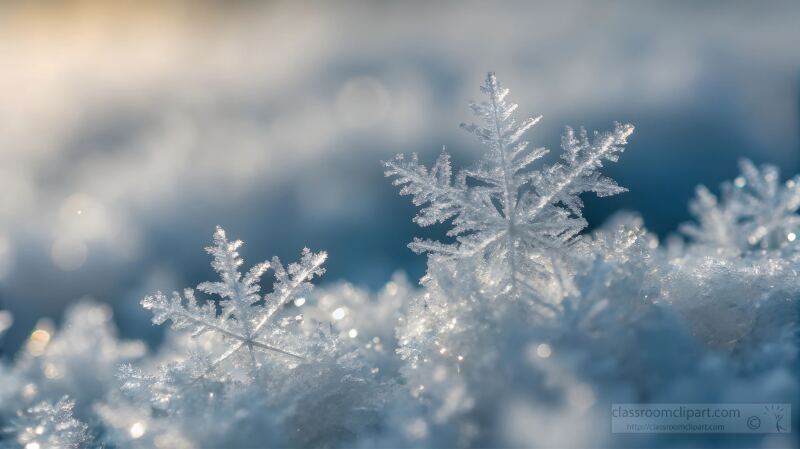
(244, 320)
(47, 425)
(756, 212)
(767, 211)
(517, 221)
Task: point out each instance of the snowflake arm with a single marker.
(240, 291)
(440, 199)
(716, 225)
(578, 173)
(292, 282)
(502, 167)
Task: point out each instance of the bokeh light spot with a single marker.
(69, 254)
(362, 101)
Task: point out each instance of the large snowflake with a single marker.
(516, 221)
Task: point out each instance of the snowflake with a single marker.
(245, 315)
(767, 212)
(755, 212)
(47, 425)
(519, 221)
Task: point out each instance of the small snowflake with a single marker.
(245, 316)
(47, 425)
(755, 212)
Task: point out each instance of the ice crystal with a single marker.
(48, 425)
(755, 212)
(243, 321)
(518, 221)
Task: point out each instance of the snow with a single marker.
(522, 333)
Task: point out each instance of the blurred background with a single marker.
(128, 130)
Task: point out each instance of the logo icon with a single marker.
(777, 413)
(754, 422)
